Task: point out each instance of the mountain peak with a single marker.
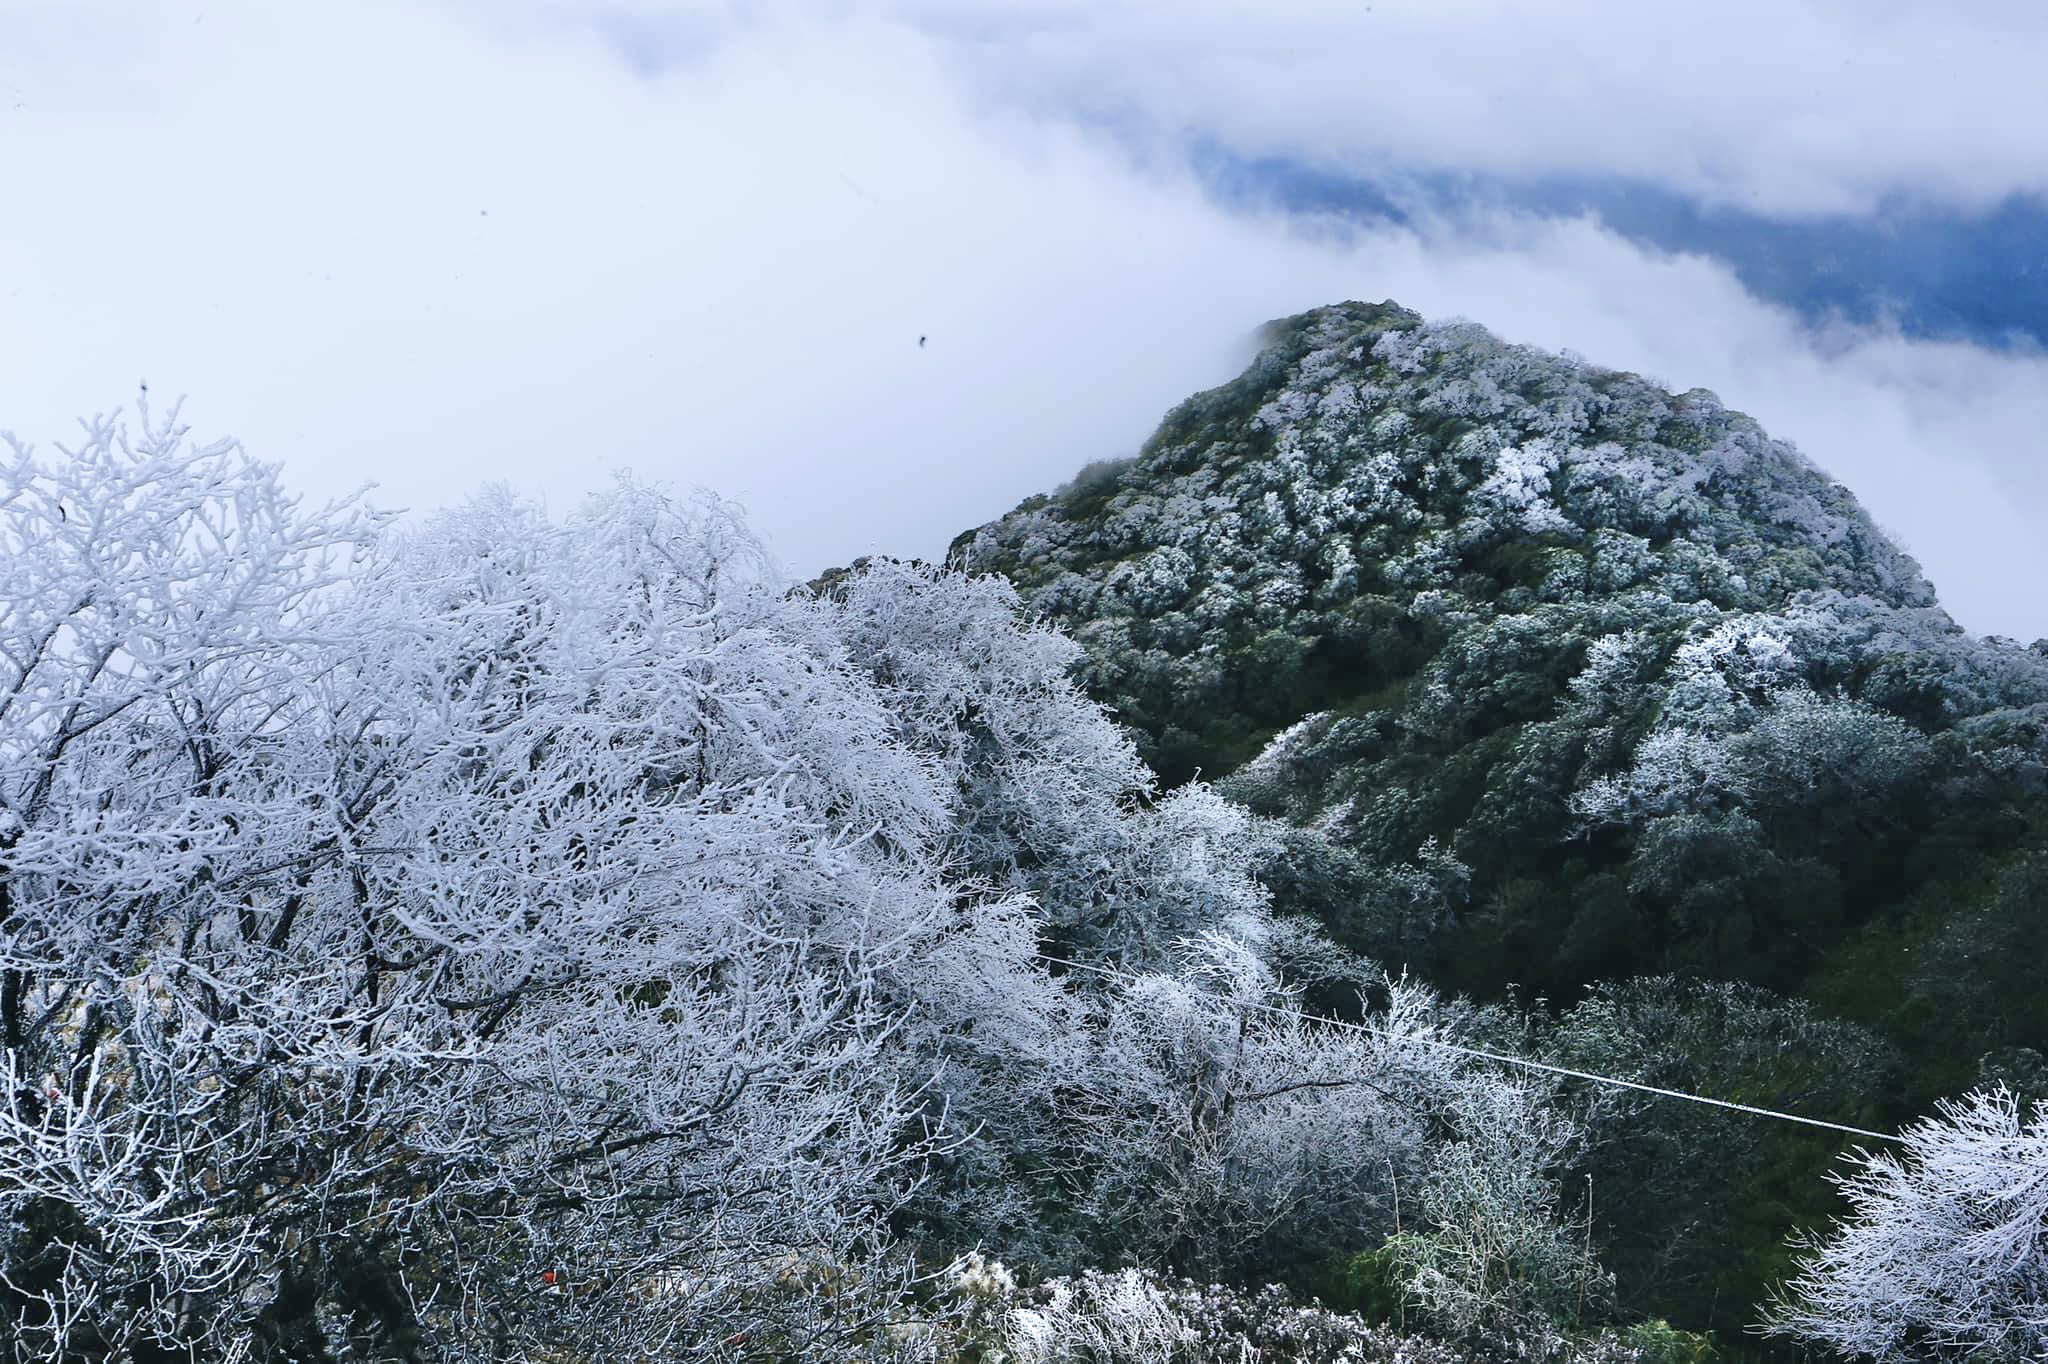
(1403, 437)
(1554, 673)
(1373, 484)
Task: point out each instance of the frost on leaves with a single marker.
(1944, 1249)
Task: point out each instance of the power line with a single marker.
(1506, 1059)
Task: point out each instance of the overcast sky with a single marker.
(434, 245)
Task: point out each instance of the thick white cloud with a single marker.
(1777, 106)
(435, 249)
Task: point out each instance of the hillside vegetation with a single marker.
(1160, 938)
(1560, 681)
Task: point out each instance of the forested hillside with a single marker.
(1560, 682)
(508, 938)
(503, 937)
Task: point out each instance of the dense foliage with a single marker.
(511, 938)
(1557, 679)
(522, 939)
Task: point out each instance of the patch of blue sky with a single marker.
(1933, 272)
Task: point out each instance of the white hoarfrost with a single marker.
(1944, 1249)
(521, 938)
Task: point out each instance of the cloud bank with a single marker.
(1787, 106)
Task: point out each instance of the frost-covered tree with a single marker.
(1944, 1250)
(1048, 807)
(1216, 1125)
(1048, 797)
(186, 1063)
(670, 873)
(507, 937)
(1221, 1129)
(1492, 1253)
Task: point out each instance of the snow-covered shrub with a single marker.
(1944, 1250)
(513, 936)
(1491, 1256)
(1134, 1316)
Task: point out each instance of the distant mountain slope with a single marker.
(1372, 482)
(1575, 678)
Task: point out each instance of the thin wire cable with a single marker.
(1504, 1058)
